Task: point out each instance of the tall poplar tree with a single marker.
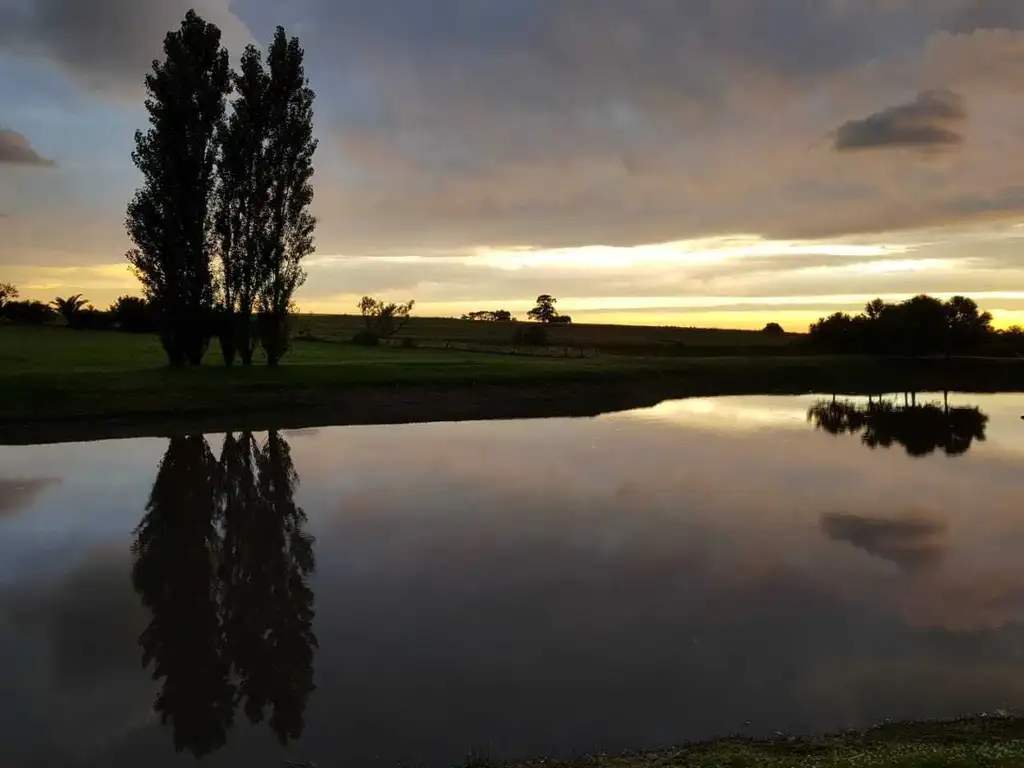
(289, 168)
(169, 219)
(243, 194)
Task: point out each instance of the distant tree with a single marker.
(133, 314)
(29, 312)
(497, 316)
(384, 320)
(773, 329)
(967, 327)
(8, 292)
(561, 320)
(169, 219)
(921, 325)
(289, 168)
(875, 308)
(835, 333)
(69, 308)
(545, 311)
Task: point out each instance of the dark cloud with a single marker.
(16, 149)
(910, 543)
(107, 45)
(456, 123)
(927, 121)
(16, 495)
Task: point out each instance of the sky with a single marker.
(669, 162)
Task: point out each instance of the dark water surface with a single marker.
(414, 594)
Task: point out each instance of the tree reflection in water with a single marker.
(222, 563)
(920, 429)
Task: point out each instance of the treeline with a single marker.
(922, 325)
(221, 224)
(132, 314)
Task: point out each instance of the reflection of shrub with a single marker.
(531, 335)
(366, 338)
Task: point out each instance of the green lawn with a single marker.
(56, 375)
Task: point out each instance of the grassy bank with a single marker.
(61, 384)
(994, 742)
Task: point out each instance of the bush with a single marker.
(773, 329)
(29, 312)
(366, 338)
(533, 335)
(93, 320)
(133, 314)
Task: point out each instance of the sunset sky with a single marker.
(686, 162)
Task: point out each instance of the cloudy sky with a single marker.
(684, 162)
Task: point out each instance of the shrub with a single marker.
(533, 335)
(93, 320)
(774, 329)
(29, 312)
(134, 314)
(366, 338)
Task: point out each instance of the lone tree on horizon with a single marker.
(169, 219)
(545, 311)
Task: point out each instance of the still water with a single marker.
(416, 594)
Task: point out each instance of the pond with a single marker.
(420, 594)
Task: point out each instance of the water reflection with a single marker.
(912, 543)
(222, 563)
(921, 429)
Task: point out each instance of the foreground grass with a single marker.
(993, 742)
(54, 375)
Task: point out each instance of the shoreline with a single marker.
(970, 742)
(159, 403)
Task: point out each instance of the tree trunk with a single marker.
(226, 336)
(244, 337)
(273, 334)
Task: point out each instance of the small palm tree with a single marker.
(69, 308)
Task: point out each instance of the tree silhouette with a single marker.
(133, 314)
(289, 152)
(170, 218)
(545, 311)
(69, 308)
(922, 325)
(920, 429)
(8, 292)
(222, 561)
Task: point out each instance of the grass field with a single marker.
(995, 742)
(97, 379)
(619, 339)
